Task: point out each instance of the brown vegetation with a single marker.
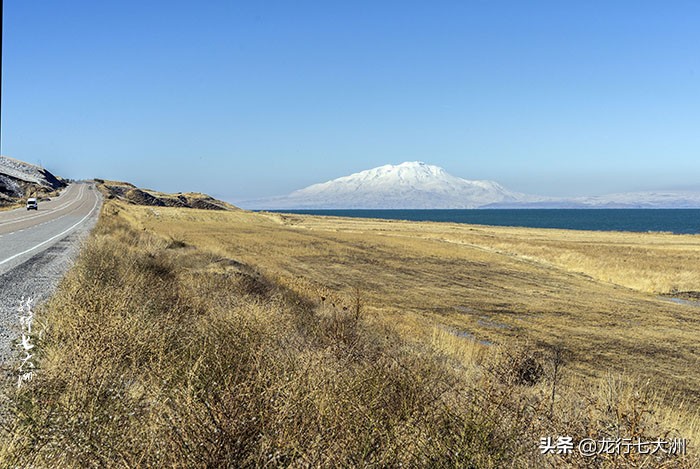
(129, 193)
(187, 338)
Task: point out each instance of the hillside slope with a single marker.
(136, 196)
(19, 179)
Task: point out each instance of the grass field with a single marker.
(594, 294)
(374, 342)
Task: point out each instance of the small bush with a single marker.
(520, 365)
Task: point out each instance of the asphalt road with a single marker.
(36, 249)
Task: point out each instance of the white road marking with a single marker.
(53, 237)
(51, 220)
(60, 207)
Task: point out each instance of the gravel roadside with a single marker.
(36, 278)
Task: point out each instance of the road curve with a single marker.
(36, 249)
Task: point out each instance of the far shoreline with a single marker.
(679, 221)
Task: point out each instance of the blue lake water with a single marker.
(685, 221)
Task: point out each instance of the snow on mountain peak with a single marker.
(412, 184)
(418, 185)
(404, 173)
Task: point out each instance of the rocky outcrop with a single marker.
(134, 195)
(19, 180)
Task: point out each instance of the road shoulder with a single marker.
(37, 279)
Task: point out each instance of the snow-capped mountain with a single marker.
(410, 185)
(417, 185)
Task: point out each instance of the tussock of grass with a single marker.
(156, 354)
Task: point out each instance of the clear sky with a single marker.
(251, 99)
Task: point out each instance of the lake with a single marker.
(681, 221)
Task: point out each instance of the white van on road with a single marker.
(32, 204)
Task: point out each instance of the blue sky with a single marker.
(251, 99)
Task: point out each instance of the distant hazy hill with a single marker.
(19, 179)
(417, 185)
(655, 199)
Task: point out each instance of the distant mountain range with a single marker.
(417, 185)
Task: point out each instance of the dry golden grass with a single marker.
(11, 206)
(496, 284)
(189, 338)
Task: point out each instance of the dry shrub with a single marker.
(518, 365)
(145, 362)
(161, 357)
